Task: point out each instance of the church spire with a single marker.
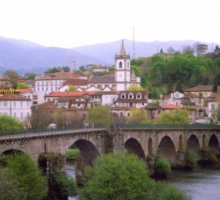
(122, 51)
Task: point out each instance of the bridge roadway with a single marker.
(165, 140)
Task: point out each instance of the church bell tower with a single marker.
(122, 69)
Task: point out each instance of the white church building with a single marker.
(123, 78)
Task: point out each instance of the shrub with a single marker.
(191, 159)
(162, 167)
(117, 176)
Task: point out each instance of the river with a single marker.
(200, 184)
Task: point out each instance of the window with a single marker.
(123, 96)
(5, 103)
(21, 104)
(138, 96)
(100, 86)
(14, 103)
(212, 106)
(21, 115)
(121, 114)
(120, 64)
(14, 115)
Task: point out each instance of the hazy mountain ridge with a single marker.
(24, 56)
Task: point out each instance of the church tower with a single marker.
(122, 69)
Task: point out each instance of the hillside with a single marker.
(24, 56)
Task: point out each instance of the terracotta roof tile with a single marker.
(101, 79)
(201, 88)
(62, 94)
(24, 90)
(76, 82)
(171, 106)
(13, 97)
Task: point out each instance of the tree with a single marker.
(31, 76)
(169, 87)
(188, 49)
(99, 115)
(12, 78)
(23, 169)
(66, 68)
(135, 88)
(8, 123)
(117, 176)
(136, 70)
(161, 50)
(137, 115)
(179, 116)
(72, 89)
(61, 185)
(21, 85)
(9, 187)
(179, 87)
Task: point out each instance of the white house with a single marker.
(15, 106)
(172, 98)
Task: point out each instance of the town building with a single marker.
(16, 106)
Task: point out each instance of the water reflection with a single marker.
(200, 184)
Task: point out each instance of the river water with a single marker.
(200, 184)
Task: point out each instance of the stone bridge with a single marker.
(140, 140)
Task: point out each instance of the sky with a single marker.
(73, 23)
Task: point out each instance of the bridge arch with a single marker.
(11, 151)
(193, 144)
(88, 150)
(132, 145)
(166, 149)
(214, 144)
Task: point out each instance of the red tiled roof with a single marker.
(201, 88)
(14, 97)
(76, 82)
(171, 106)
(62, 94)
(47, 105)
(168, 96)
(24, 90)
(214, 95)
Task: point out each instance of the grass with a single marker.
(72, 153)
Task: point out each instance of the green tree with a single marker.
(72, 89)
(136, 70)
(31, 76)
(179, 87)
(137, 115)
(9, 187)
(99, 115)
(179, 116)
(60, 185)
(169, 87)
(117, 176)
(8, 123)
(23, 169)
(162, 167)
(135, 88)
(21, 85)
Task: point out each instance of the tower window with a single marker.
(120, 64)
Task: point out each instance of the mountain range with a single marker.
(24, 56)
